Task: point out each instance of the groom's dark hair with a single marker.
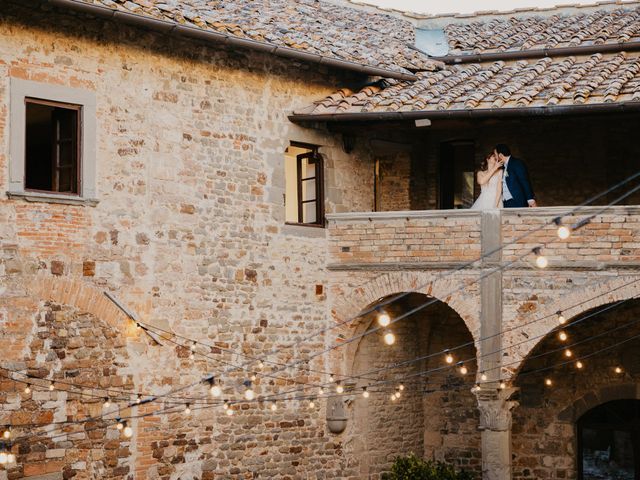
(503, 149)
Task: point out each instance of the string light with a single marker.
(618, 370)
(393, 397)
(561, 319)
(229, 412)
(4, 457)
(225, 406)
(541, 260)
(260, 364)
(331, 378)
(52, 387)
(398, 393)
(384, 319)
(138, 399)
(463, 369)
(253, 377)
(503, 385)
(564, 232)
(321, 391)
(401, 387)
(7, 433)
(579, 364)
(120, 424)
(562, 336)
(127, 431)
(27, 389)
(339, 387)
(548, 382)
(448, 357)
(274, 407)
(312, 404)
(216, 389)
(249, 394)
(365, 392)
(106, 403)
(483, 377)
(187, 409)
(568, 353)
(389, 338)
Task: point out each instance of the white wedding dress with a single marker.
(488, 198)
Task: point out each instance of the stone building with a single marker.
(235, 191)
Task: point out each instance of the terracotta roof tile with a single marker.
(317, 27)
(594, 79)
(538, 32)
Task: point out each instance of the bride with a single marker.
(490, 180)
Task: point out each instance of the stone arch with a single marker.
(351, 302)
(608, 393)
(571, 304)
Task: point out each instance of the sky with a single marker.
(467, 6)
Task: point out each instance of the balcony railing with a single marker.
(443, 239)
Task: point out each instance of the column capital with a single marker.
(495, 409)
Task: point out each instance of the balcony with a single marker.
(448, 239)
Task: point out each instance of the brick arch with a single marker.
(79, 294)
(354, 300)
(609, 393)
(593, 296)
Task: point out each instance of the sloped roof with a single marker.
(518, 80)
(316, 27)
(513, 33)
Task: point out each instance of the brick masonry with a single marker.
(189, 233)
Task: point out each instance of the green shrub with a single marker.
(414, 468)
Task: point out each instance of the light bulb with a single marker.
(332, 379)
(106, 403)
(398, 395)
(548, 382)
(27, 389)
(191, 356)
(562, 336)
(463, 369)
(389, 338)
(260, 365)
(541, 261)
(579, 364)
(226, 405)
(120, 425)
(3, 458)
(339, 388)
(618, 370)
(384, 319)
(563, 232)
(448, 358)
(365, 393)
(187, 409)
(6, 434)
(503, 385)
(321, 391)
(312, 404)
(229, 412)
(561, 319)
(401, 387)
(215, 390)
(274, 407)
(568, 353)
(52, 387)
(193, 347)
(483, 377)
(128, 432)
(11, 458)
(249, 394)
(393, 397)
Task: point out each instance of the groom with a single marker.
(516, 187)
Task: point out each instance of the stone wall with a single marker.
(188, 233)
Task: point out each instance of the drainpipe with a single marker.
(168, 27)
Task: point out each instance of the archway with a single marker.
(436, 414)
(609, 441)
(563, 377)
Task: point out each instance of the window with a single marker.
(52, 143)
(304, 194)
(52, 139)
(457, 183)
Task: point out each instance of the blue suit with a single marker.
(516, 176)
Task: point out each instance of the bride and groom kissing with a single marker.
(504, 182)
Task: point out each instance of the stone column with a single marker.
(495, 424)
(495, 409)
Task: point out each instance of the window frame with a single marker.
(22, 91)
(319, 180)
(78, 146)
